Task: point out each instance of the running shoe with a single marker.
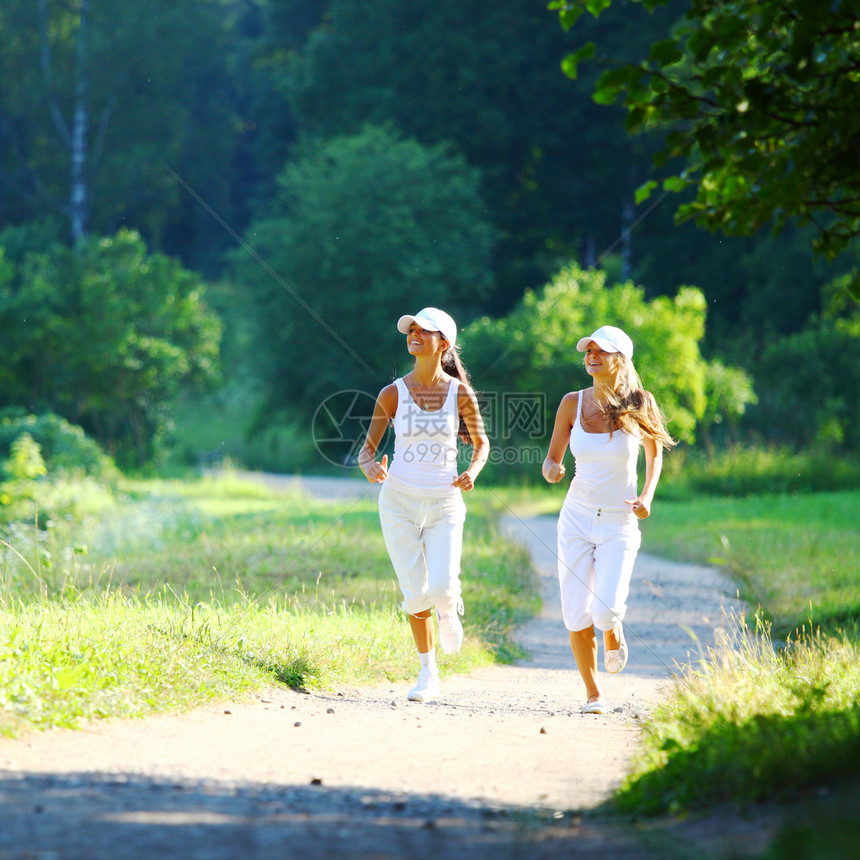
(451, 630)
(427, 687)
(615, 660)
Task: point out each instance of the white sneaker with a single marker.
(427, 687)
(598, 706)
(615, 661)
(451, 630)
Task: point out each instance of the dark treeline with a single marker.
(370, 158)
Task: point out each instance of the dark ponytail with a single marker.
(452, 365)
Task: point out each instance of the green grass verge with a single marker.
(797, 558)
(753, 470)
(187, 590)
(759, 721)
(750, 724)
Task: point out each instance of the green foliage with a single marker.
(102, 100)
(25, 462)
(533, 349)
(180, 592)
(66, 449)
(485, 77)
(810, 386)
(190, 113)
(751, 724)
(728, 393)
(760, 102)
(69, 479)
(365, 228)
(105, 334)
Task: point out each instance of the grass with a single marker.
(750, 724)
(181, 591)
(63, 663)
(797, 558)
(742, 470)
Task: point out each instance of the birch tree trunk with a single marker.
(74, 138)
(79, 197)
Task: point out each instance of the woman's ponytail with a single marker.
(453, 366)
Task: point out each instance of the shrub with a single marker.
(65, 448)
(751, 470)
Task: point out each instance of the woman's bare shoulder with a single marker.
(570, 399)
(387, 398)
(463, 387)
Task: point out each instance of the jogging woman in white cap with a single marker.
(421, 508)
(598, 527)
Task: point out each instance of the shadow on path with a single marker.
(89, 816)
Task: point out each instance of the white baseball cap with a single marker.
(609, 339)
(430, 319)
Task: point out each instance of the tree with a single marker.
(96, 97)
(760, 101)
(364, 229)
(533, 349)
(792, 381)
(104, 335)
(556, 170)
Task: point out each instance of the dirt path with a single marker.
(364, 773)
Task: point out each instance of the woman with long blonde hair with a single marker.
(598, 526)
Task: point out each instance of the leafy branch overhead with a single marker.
(759, 101)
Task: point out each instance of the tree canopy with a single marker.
(432, 152)
(533, 349)
(104, 334)
(760, 101)
(485, 77)
(96, 97)
(365, 228)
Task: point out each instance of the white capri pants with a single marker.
(424, 539)
(596, 552)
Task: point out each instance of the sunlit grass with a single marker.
(64, 663)
(751, 723)
(797, 557)
(189, 590)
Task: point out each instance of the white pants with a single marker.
(596, 552)
(424, 539)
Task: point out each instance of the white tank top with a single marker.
(605, 465)
(425, 444)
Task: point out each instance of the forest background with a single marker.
(212, 213)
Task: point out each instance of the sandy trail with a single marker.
(364, 773)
